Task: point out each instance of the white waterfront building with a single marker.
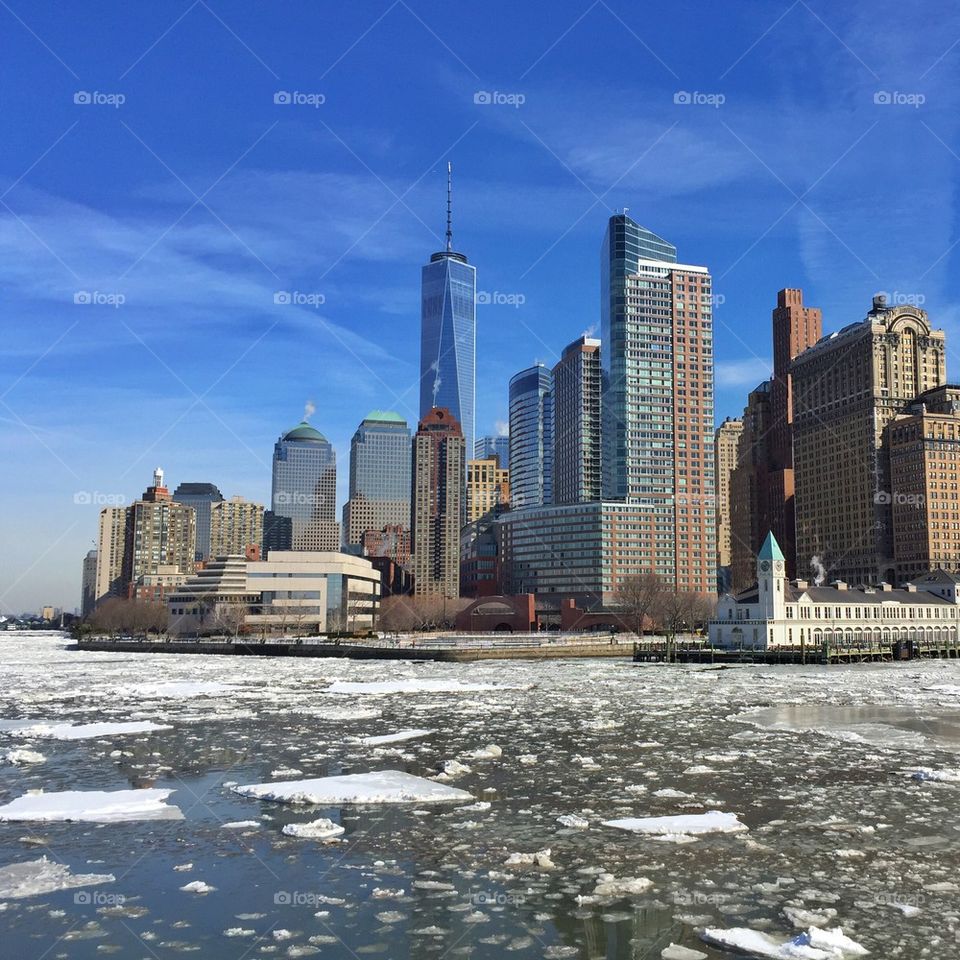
(776, 612)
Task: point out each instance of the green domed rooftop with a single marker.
(384, 416)
(303, 431)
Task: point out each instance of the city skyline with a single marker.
(97, 392)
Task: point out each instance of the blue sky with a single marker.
(197, 198)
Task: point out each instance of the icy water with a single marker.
(816, 762)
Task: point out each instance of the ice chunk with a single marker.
(320, 829)
(240, 825)
(380, 688)
(86, 731)
(397, 737)
(572, 820)
(541, 860)
(714, 821)
(197, 886)
(177, 689)
(96, 806)
(944, 776)
(610, 887)
(382, 786)
(35, 877)
(676, 952)
(489, 752)
(815, 944)
(20, 757)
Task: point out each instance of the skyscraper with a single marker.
(726, 446)
(305, 490)
(577, 451)
(200, 496)
(488, 487)
(924, 445)
(486, 447)
(110, 547)
(379, 477)
(88, 591)
(448, 333)
(159, 533)
(437, 492)
(846, 389)
(657, 398)
(235, 524)
(531, 437)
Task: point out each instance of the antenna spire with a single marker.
(449, 206)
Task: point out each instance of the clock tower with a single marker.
(771, 579)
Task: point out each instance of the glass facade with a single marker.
(448, 335)
(531, 437)
(380, 463)
(305, 489)
(486, 447)
(657, 397)
(200, 496)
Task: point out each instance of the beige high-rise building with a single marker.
(726, 442)
(438, 486)
(924, 493)
(160, 532)
(488, 487)
(110, 548)
(235, 524)
(748, 487)
(846, 389)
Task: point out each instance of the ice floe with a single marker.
(320, 829)
(814, 944)
(22, 757)
(399, 737)
(32, 878)
(384, 687)
(96, 806)
(85, 731)
(382, 786)
(691, 824)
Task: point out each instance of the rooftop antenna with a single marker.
(449, 206)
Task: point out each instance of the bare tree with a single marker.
(680, 610)
(639, 597)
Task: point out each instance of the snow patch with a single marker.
(383, 786)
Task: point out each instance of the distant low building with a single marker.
(777, 612)
(292, 593)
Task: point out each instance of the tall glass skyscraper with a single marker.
(448, 333)
(380, 461)
(657, 399)
(200, 496)
(531, 437)
(486, 447)
(305, 490)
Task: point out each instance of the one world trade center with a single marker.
(448, 333)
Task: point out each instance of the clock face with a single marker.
(778, 566)
(764, 566)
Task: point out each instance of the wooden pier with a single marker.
(660, 651)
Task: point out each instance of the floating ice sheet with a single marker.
(85, 731)
(397, 737)
(96, 806)
(714, 821)
(380, 688)
(35, 877)
(815, 944)
(383, 786)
